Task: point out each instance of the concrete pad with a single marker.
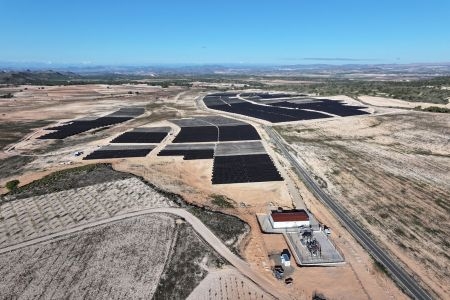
(240, 148)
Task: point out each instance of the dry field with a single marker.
(227, 283)
(389, 102)
(122, 260)
(137, 258)
(392, 173)
(29, 218)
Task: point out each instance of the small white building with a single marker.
(286, 259)
(289, 218)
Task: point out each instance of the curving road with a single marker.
(198, 226)
(398, 273)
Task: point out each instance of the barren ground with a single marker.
(227, 283)
(392, 173)
(383, 101)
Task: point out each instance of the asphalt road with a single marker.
(411, 287)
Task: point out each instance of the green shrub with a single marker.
(12, 185)
(222, 201)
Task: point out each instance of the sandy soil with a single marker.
(227, 283)
(391, 173)
(390, 102)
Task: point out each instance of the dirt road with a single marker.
(199, 227)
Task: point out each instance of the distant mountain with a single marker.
(15, 74)
(36, 77)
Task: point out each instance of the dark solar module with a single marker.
(103, 154)
(79, 126)
(329, 106)
(238, 133)
(265, 95)
(197, 134)
(244, 168)
(269, 113)
(140, 137)
(189, 154)
(282, 111)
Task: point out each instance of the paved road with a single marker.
(198, 226)
(398, 273)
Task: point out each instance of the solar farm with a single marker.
(143, 135)
(277, 108)
(119, 151)
(217, 151)
(214, 129)
(189, 151)
(235, 146)
(138, 142)
(86, 124)
(239, 156)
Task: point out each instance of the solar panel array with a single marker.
(197, 134)
(280, 111)
(329, 106)
(189, 151)
(244, 168)
(143, 135)
(113, 151)
(214, 129)
(189, 154)
(83, 125)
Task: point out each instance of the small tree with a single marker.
(12, 185)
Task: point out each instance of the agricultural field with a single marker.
(391, 173)
(63, 267)
(139, 252)
(227, 283)
(28, 218)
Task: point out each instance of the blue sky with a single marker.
(254, 32)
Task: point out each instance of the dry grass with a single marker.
(391, 173)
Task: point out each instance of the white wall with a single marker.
(288, 224)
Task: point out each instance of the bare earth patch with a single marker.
(227, 283)
(390, 102)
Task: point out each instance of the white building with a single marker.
(286, 259)
(289, 218)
